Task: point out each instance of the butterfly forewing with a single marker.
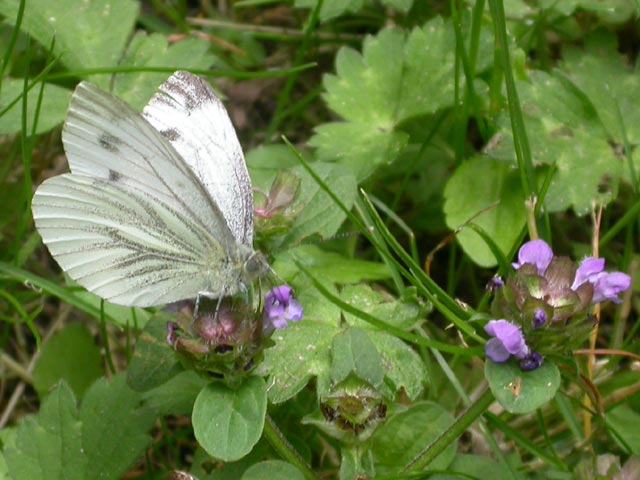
(132, 223)
(187, 112)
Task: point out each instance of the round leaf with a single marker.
(522, 392)
(274, 470)
(405, 434)
(228, 422)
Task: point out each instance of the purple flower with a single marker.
(606, 285)
(534, 252)
(531, 361)
(496, 282)
(508, 340)
(280, 307)
(539, 318)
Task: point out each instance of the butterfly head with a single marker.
(256, 266)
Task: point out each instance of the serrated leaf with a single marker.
(153, 362)
(405, 434)
(228, 422)
(391, 81)
(401, 313)
(477, 185)
(87, 34)
(301, 351)
(403, 367)
(49, 444)
(53, 107)
(320, 215)
(154, 50)
(273, 470)
(519, 391)
(565, 131)
(608, 81)
(353, 353)
(334, 267)
(70, 355)
(114, 428)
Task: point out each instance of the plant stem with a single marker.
(279, 442)
(426, 456)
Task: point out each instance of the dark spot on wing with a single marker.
(109, 142)
(189, 89)
(170, 134)
(114, 176)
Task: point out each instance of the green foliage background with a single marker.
(410, 120)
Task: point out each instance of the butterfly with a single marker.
(158, 206)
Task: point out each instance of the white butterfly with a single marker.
(158, 206)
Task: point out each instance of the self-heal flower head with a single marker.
(508, 340)
(606, 285)
(280, 307)
(534, 252)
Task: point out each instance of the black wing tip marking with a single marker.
(171, 134)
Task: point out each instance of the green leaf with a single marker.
(265, 161)
(519, 391)
(177, 395)
(332, 8)
(608, 81)
(302, 351)
(154, 362)
(352, 352)
(405, 434)
(334, 267)
(565, 132)
(625, 422)
(227, 423)
(404, 312)
(98, 441)
(53, 107)
(71, 354)
(403, 367)
(466, 466)
(273, 470)
(154, 50)
(88, 34)
(392, 81)
(476, 185)
(320, 214)
(49, 444)
(114, 426)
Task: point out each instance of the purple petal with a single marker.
(279, 322)
(280, 307)
(539, 318)
(496, 351)
(281, 293)
(294, 310)
(589, 267)
(509, 335)
(607, 286)
(535, 252)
